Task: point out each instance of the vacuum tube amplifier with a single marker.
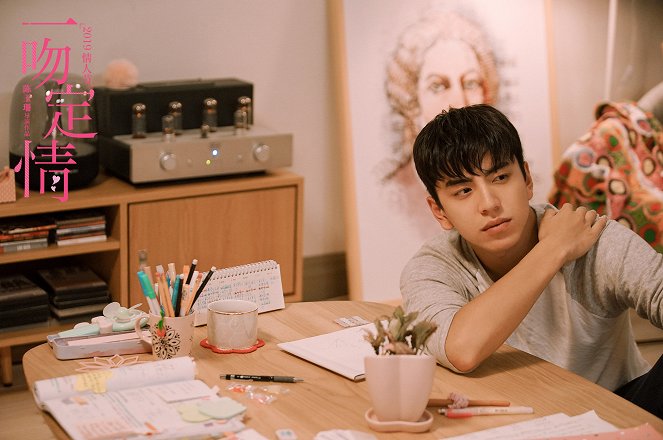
(185, 129)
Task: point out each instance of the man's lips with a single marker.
(494, 223)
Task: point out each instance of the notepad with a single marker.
(342, 351)
(258, 282)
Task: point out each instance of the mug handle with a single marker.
(137, 327)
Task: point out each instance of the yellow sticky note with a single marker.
(94, 381)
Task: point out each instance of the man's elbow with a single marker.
(463, 358)
(464, 364)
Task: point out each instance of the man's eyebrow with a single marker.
(495, 168)
(457, 181)
(463, 180)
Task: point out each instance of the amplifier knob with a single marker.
(168, 161)
(261, 152)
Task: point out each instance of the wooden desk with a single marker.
(327, 401)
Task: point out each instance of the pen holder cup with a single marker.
(170, 337)
(232, 324)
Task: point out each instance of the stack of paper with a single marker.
(562, 427)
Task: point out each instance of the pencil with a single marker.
(185, 271)
(198, 277)
(190, 292)
(446, 402)
(167, 301)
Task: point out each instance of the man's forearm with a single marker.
(481, 326)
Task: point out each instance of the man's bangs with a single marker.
(461, 163)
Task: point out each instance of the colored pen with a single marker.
(176, 292)
(457, 413)
(148, 291)
(288, 379)
(171, 273)
(179, 282)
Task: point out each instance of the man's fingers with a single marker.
(591, 216)
(600, 222)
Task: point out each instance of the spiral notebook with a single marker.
(258, 282)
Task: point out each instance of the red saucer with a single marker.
(259, 343)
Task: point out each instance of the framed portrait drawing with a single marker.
(398, 64)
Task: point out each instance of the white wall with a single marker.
(281, 47)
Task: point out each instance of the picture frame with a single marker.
(387, 218)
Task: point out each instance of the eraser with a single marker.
(286, 434)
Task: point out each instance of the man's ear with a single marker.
(529, 182)
(439, 214)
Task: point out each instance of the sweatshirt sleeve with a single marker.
(623, 271)
(437, 282)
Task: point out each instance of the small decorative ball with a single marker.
(120, 74)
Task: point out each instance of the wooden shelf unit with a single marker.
(223, 222)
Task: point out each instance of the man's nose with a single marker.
(489, 202)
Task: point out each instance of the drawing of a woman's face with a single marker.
(442, 60)
(450, 76)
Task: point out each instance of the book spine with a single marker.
(81, 240)
(23, 245)
(80, 229)
(24, 229)
(22, 296)
(23, 236)
(71, 221)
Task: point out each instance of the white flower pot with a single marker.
(399, 385)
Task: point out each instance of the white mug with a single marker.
(232, 324)
(173, 337)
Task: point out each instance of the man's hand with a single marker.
(563, 236)
(572, 231)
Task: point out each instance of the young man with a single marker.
(554, 283)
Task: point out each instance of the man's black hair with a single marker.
(454, 143)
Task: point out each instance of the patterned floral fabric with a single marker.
(617, 170)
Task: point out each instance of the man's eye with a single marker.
(462, 192)
(501, 177)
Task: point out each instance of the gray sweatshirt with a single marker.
(580, 322)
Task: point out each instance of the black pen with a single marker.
(200, 289)
(191, 269)
(288, 379)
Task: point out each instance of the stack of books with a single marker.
(74, 291)
(25, 233)
(22, 302)
(77, 227)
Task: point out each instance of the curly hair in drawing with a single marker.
(460, 70)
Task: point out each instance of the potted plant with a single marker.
(400, 377)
